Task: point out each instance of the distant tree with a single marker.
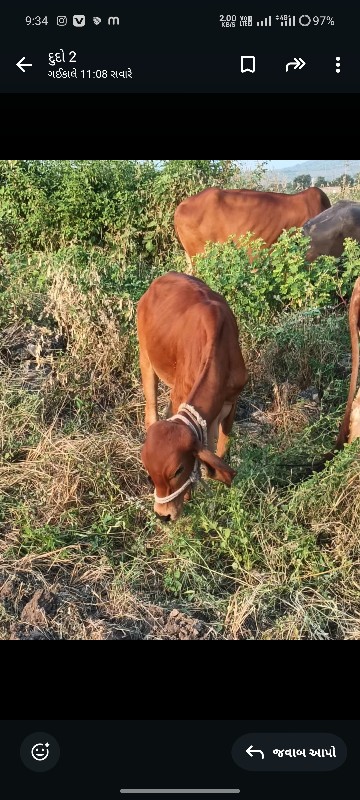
(342, 180)
(345, 180)
(320, 181)
(302, 182)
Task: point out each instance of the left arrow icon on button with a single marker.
(21, 64)
(250, 751)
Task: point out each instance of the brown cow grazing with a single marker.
(350, 426)
(188, 338)
(215, 214)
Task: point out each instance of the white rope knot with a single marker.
(197, 418)
(199, 427)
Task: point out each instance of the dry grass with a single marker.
(83, 599)
(302, 614)
(288, 413)
(98, 351)
(346, 192)
(62, 472)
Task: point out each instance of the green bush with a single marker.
(48, 204)
(307, 348)
(23, 284)
(259, 283)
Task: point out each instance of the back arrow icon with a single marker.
(21, 65)
(250, 751)
(298, 62)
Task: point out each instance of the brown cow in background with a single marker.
(215, 214)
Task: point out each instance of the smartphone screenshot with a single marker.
(117, 758)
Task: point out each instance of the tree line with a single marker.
(305, 181)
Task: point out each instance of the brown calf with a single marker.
(188, 337)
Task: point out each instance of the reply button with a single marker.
(289, 752)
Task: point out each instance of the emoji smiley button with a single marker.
(40, 752)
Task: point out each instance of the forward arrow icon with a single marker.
(297, 63)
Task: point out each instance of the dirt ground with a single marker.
(72, 610)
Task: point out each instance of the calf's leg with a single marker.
(224, 431)
(150, 385)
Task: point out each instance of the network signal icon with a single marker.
(264, 22)
(286, 20)
(96, 20)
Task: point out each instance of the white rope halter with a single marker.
(199, 428)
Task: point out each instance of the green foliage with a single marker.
(307, 348)
(20, 417)
(302, 182)
(112, 216)
(320, 181)
(23, 283)
(350, 267)
(344, 180)
(26, 280)
(47, 204)
(260, 283)
(227, 269)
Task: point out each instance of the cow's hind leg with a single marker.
(355, 419)
(150, 385)
(224, 431)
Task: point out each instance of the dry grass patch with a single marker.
(98, 352)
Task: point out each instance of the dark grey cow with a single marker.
(329, 229)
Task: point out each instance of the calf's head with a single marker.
(168, 456)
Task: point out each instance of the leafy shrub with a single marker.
(23, 282)
(260, 282)
(130, 204)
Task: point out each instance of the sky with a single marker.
(276, 164)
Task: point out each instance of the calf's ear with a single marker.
(217, 468)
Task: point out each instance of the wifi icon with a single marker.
(96, 20)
